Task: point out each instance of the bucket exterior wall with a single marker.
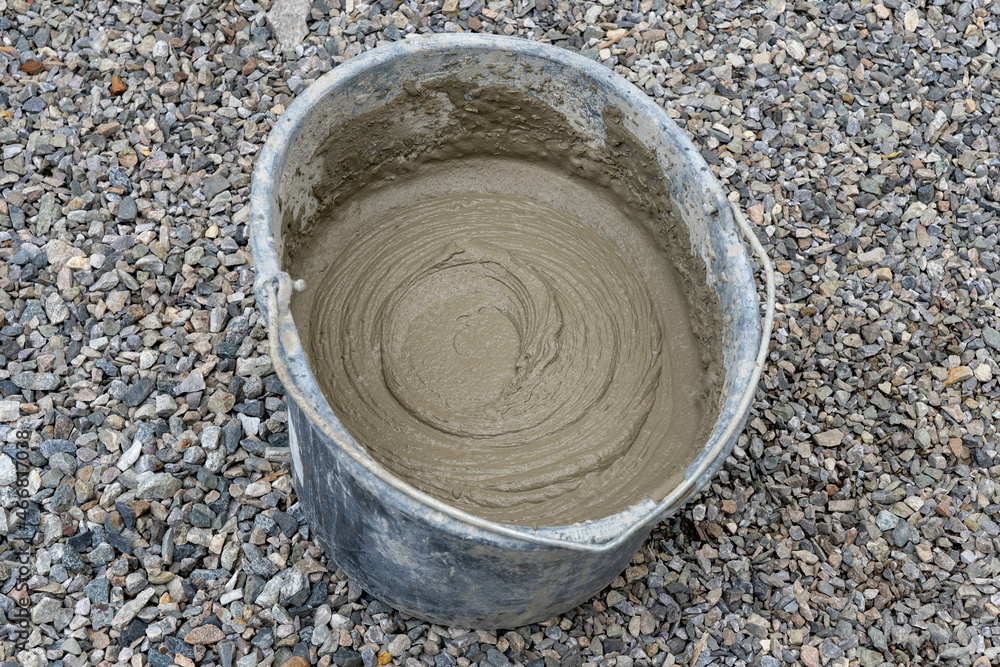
(436, 562)
(445, 572)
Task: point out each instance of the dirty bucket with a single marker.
(416, 552)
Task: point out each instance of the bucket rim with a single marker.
(287, 355)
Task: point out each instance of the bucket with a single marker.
(422, 555)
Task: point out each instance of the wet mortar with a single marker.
(507, 316)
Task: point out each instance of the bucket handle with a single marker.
(278, 290)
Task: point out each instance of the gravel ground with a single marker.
(856, 523)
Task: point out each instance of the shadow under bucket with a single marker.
(483, 112)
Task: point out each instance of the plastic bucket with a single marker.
(417, 553)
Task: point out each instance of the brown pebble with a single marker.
(138, 311)
(249, 67)
(955, 444)
(205, 634)
(810, 656)
(728, 506)
(31, 67)
(475, 23)
(118, 86)
(942, 509)
(295, 661)
(957, 374)
(139, 507)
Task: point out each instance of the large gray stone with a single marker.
(287, 20)
(45, 611)
(138, 392)
(8, 471)
(59, 252)
(991, 337)
(158, 486)
(130, 609)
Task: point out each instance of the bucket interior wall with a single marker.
(331, 141)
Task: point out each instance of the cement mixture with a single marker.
(509, 335)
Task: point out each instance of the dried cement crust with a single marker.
(502, 312)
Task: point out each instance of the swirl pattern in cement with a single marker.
(500, 355)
